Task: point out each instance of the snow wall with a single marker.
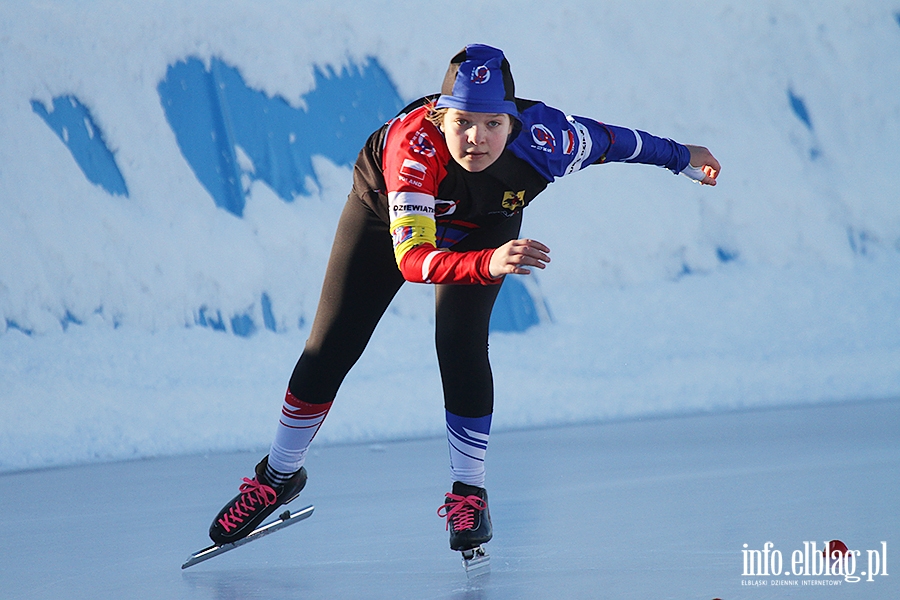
(171, 174)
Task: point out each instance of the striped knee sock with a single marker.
(297, 427)
(468, 441)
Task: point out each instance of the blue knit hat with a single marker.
(479, 80)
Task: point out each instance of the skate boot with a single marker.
(256, 501)
(468, 517)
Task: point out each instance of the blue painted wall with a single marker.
(75, 126)
(212, 112)
(215, 116)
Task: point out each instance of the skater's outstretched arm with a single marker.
(556, 144)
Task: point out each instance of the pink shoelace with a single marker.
(254, 495)
(460, 511)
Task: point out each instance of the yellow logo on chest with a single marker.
(513, 200)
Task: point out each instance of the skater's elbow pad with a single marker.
(410, 231)
(412, 221)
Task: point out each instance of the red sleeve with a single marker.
(426, 264)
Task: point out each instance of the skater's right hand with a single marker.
(705, 163)
(517, 256)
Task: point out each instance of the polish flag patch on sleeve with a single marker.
(413, 172)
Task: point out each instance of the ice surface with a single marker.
(652, 508)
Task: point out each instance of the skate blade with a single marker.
(284, 519)
(476, 562)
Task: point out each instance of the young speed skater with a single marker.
(438, 194)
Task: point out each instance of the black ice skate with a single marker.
(469, 522)
(256, 501)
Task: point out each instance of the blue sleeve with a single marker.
(556, 144)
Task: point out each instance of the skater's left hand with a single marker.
(518, 256)
(702, 159)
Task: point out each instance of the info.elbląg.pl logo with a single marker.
(833, 559)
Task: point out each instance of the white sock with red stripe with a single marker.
(297, 427)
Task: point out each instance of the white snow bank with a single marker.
(778, 286)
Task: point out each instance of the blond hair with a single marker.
(436, 115)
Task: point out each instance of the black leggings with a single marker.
(361, 280)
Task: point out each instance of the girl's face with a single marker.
(476, 140)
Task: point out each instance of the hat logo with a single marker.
(480, 75)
